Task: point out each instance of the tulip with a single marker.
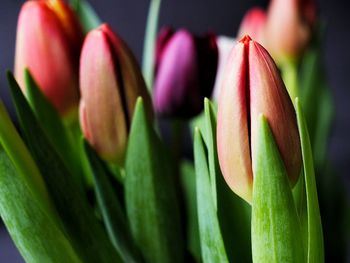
(252, 87)
(225, 45)
(110, 83)
(253, 24)
(185, 72)
(289, 28)
(49, 38)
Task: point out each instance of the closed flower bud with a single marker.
(289, 28)
(185, 72)
(252, 87)
(225, 45)
(49, 38)
(253, 24)
(110, 83)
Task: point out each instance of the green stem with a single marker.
(176, 139)
(149, 42)
(290, 77)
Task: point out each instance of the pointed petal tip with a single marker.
(245, 39)
(105, 27)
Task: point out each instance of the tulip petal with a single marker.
(232, 127)
(45, 48)
(177, 77)
(162, 40)
(269, 96)
(133, 82)
(294, 17)
(225, 45)
(103, 107)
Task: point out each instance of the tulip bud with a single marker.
(225, 45)
(49, 38)
(110, 83)
(252, 87)
(185, 72)
(253, 24)
(289, 28)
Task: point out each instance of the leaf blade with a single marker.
(84, 230)
(33, 228)
(86, 14)
(53, 126)
(212, 245)
(21, 158)
(233, 213)
(150, 196)
(315, 251)
(276, 234)
(113, 216)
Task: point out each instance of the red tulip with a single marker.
(253, 86)
(49, 39)
(289, 28)
(185, 72)
(110, 83)
(253, 24)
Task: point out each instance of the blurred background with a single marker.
(222, 17)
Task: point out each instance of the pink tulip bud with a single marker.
(185, 72)
(110, 83)
(49, 38)
(289, 28)
(253, 86)
(253, 24)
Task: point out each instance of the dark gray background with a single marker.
(221, 16)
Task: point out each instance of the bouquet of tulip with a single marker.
(100, 184)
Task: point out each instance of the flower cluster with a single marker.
(90, 177)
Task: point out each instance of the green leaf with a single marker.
(22, 160)
(233, 212)
(86, 14)
(188, 185)
(299, 195)
(210, 141)
(212, 245)
(112, 213)
(276, 233)
(317, 102)
(53, 126)
(34, 230)
(82, 227)
(315, 251)
(151, 202)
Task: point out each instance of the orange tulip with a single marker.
(49, 38)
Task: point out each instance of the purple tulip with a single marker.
(185, 72)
